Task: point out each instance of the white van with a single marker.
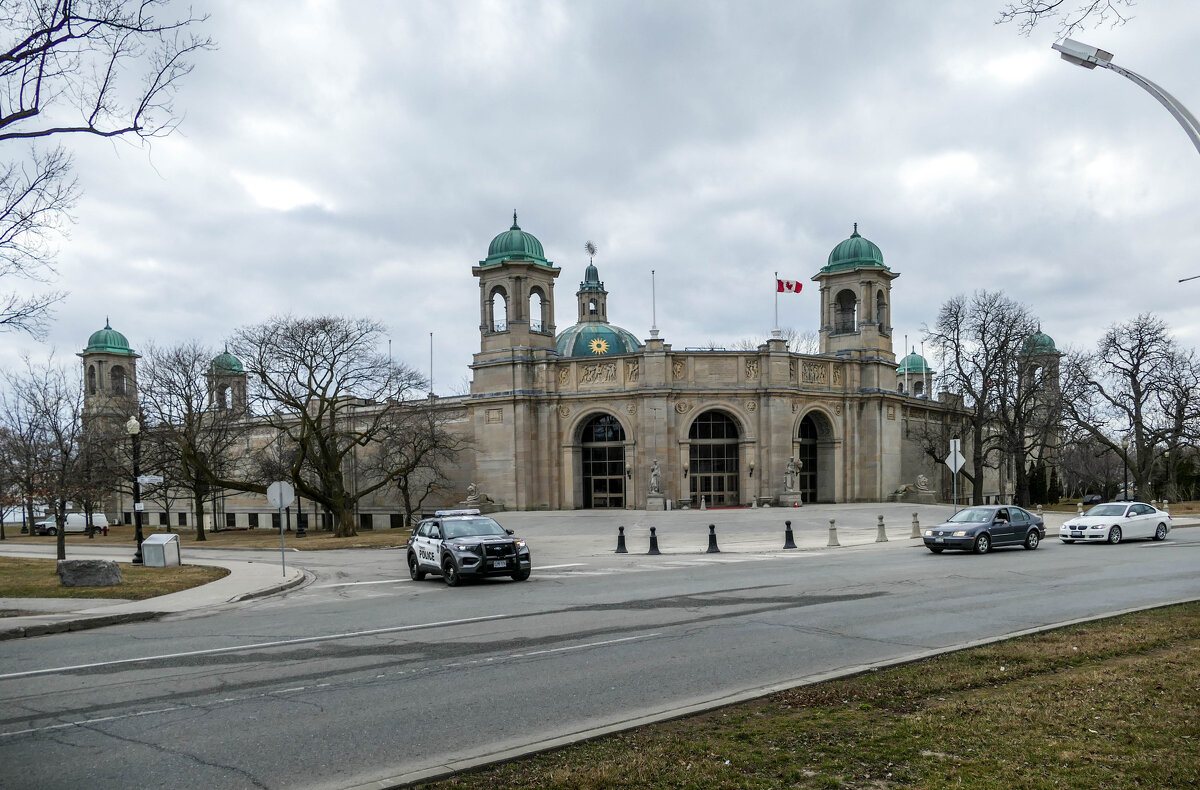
(76, 522)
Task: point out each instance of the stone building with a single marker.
(591, 416)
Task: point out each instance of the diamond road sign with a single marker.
(955, 460)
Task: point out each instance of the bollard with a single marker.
(653, 542)
(703, 506)
(754, 503)
(788, 541)
(1039, 511)
(1079, 508)
(621, 541)
(1166, 507)
(916, 530)
(881, 534)
(712, 539)
(833, 541)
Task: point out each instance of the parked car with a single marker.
(981, 527)
(459, 544)
(1113, 522)
(1092, 499)
(76, 522)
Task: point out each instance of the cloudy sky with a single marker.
(357, 158)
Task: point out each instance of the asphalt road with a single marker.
(365, 678)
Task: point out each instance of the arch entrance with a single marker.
(815, 447)
(603, 458)
(713, 459)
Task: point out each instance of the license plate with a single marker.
(939, 540)
(1077, 534)
(500, 563)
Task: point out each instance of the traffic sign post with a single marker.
(955, 461)
(281, 494)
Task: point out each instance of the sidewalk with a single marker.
(56, 615)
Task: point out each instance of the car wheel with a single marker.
(1114, 535)
(450, 573)
(1161, 532)
(935, 549)
(1032, 540)
(520, 576)
(414, 568)
(52, 531)
(982, 544)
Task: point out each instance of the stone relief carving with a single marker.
(564, 377)
(631, 409)
(564, 411)
(678, 368)
(634, 370)
(815, 372)
(791, 369)
(837, 375)
(593, 374)
(751, 405)
(795, 406)
(891, 412)
(751, 368)
(682, 407)
(838, 410)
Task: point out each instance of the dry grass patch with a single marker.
(263, 538)
(38, 578)
(1110, 704)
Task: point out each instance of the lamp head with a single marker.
(132, 427)
(1082, 54)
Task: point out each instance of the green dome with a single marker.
(109, 341)
(854, 253)
(591, 279)
(1039, 343)
(226, 364)
(591, 339)
(913, 363)
(515, 244)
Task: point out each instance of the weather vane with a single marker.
(590, 247)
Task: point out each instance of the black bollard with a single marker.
(653, 542)
(788, 541)
(621, 541)
(712, 539)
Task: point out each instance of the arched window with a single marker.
(120, 385)
(918, 388)
(499, 311)
(845, 312)
(603, 443)
(91, 379)
(537, 311)
(713, 459)
(224, 398)
(881, 310)
(593, 308)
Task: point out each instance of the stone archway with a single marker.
(815, 448)
(602, 463)
(713, 463)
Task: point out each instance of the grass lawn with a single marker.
(38, 578)
(1110, 704)
(263, 538)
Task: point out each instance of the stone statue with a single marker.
(472, 492)
(655, 478)
(789, 478)
(922, 483)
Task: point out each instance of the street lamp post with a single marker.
(1090, 57)
(134, 428)
(1125, 449)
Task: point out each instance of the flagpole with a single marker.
(776, 302)
(653, 307)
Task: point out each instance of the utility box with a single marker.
(159, 551)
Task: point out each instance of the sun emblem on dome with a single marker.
(598, 345)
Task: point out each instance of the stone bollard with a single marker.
(703, 504)
(880, 533)
(712, 539)
(833, 541)
(653, 542)
(916, 530)
(621, 541)
(1079, 508)
(754, 503)
(1039, 511)
(788, 541)
(1166, 507)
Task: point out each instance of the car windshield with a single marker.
(972, 515)
(1107, 510)
(461, 528)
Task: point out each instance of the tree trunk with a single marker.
(198, 501)
(977, 465)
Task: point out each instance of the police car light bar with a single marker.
(471, 511)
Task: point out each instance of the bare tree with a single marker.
(23, 449)
(106, 68)
(191, 442)
(416, 450)
(325, 385)
(978, 342)
(1138, 386)
(798, 342)
(1072, 15)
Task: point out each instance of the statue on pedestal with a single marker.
(655, 478)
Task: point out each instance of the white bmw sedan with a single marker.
(1112, 522)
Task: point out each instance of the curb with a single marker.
(81, 624)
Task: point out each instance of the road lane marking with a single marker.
(254, 646)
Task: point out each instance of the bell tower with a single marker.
(856, 301)
(109, 380)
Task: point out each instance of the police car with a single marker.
(458, 544)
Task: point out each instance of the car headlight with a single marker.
(520, 544)
(929, 533)
(960, 533)
(466, 547)
(1097, 526)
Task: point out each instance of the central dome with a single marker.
(515, 244)
(855, 252)
(592, 339)
(109, 341)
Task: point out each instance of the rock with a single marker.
(88, 573)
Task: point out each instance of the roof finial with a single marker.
(590, 247)
(515, 225)
(855, 229)
(106, 324)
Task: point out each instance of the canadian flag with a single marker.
(788, 286)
